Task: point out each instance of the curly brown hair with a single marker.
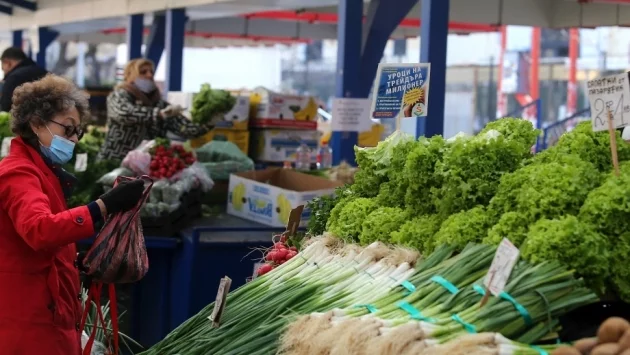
(39, 101)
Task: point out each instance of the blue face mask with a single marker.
(60, 150)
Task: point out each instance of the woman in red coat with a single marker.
(40, 308)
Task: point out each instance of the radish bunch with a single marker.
(278, 255)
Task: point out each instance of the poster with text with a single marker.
(401, 91)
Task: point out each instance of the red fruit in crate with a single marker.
(264, 269)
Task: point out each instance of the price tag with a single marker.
(6, 146)
(81, 162)
(351, 115)
(609, 95)
(219, 303)
(294, 220)
(501, 268)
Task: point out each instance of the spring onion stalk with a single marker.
(333, 296)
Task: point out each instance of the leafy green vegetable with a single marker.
(511, 225)
(321, 208)
(379, 225)
(420, 174)
(574, 244)
(547, 190)
(348, 225)
(607, 208)
(619, 270)
(471, 170)
(5, 125)
(464, 227)
(209, 103)
(513, 128)
(593, 147)
(418, 233)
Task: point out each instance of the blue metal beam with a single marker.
(155, 42)
(17, 38)
(175, 33)
(433, 42)
(46, 37)
(28, 5)
(385, 20)
(349, 34)
(6, 9)
(135, 29)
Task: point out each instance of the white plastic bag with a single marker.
(197, 171)
(97, 348)
(138, 162)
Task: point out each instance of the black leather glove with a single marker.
(123, 197)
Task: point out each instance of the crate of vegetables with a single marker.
(179, 184)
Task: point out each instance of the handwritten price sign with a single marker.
(609, 95)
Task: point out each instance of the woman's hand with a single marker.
(123, 197)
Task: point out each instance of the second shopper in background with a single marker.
(136, 111)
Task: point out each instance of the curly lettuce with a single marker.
(420, 173)
(381, 223)
(573, 243)
(348, 225)
(418, 233)
(464, 227)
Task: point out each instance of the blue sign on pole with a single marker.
(401, 91)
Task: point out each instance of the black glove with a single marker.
(123, 197)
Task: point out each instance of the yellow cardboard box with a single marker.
(240, 138)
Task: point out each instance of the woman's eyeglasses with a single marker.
(70, 130)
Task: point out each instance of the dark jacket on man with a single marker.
(25, 72)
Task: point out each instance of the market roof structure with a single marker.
(24, 14)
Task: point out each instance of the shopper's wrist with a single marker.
(102, 207)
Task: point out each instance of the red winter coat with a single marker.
(40, 310)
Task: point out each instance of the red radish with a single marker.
(290, 255)
(279, 246)
(282, 262)
(282, 254)
(264, 269)
(283, 239)
(271, 256)
(293, 249)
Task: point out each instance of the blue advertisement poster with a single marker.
(401, 91)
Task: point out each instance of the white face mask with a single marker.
(144, 85)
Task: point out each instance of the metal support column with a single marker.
(433, 42)
(46, 37)
(175, 36)
(348, 59)
(135, 31)
(17, 38)
(155, 42)
(574, 43)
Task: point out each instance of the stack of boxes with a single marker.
(279, 124)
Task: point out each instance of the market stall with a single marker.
(403, 259)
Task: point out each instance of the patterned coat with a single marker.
(130, 121)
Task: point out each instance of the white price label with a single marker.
(6, 146)
(219, 304)
(351, 115)
(501, 268)
(609, 95)
(81, 162)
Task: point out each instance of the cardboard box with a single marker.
(236, 119)
(276, 145)
(240, 138)
(268, 196)
(274, 110)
